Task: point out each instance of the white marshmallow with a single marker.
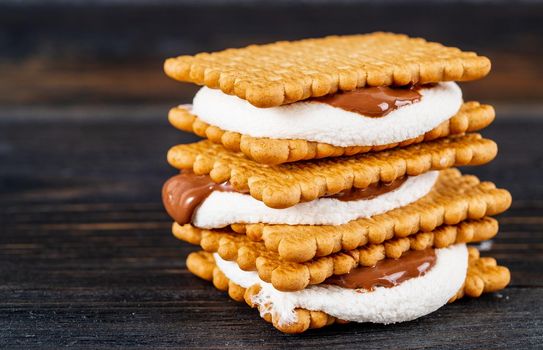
(314, 121)
(409, 300)
(221, 209)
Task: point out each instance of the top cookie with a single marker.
(289, 71)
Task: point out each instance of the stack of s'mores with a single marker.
(326, 189)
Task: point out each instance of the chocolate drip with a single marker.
(183, 193)
(373, 101)
(388, 272)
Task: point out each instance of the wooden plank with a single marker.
(87, 260)
(101, 52)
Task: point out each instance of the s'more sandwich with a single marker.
(326, 188)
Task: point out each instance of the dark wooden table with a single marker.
(87, 259)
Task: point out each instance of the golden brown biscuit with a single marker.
(453, 198)
(285, 72)
(285, 185)
(471, 117)
(202, 264)
(484, 275)
(292, 276)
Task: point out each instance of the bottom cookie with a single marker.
(454, 275)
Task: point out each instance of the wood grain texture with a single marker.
(87, 259)
(67, 51)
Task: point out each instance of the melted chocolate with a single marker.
(388, 272)
(182, 193)
(373, 101)
(372, 191)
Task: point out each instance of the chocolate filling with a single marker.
(388, 272)
(373, 102)
(183, 193)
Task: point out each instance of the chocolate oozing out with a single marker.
(373, 101)
(183, 193)
(388, 272)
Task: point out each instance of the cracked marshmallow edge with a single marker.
(407, 301)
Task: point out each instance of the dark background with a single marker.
(86, 256)
(75, 52)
